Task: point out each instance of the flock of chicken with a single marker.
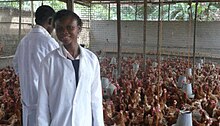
(10, 106)
(139, 97)
(152, 97)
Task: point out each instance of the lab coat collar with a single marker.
(65, 54)
(38, 28)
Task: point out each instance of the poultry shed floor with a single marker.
(140, 97)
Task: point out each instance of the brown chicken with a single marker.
(216, 90)
(2, 111)
(199, 93)
(216, 113)
(148, 120)
(196, 123)
(108, 120)
(209, 108)
(172, 114)
(120, 119)
(163, 99)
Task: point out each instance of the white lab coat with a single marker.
(29, 54)
(58, 103)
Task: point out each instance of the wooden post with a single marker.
(32, 14)
(168, 12)
(189, 33)
(19, 32)
(70, 5)
(194, 43)
(158, 41)
(109, 11)
(119, 35)
(135, 18)
(145, 33)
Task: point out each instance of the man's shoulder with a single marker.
(51, 55)
(90, 55)
(50, 59)
(36, 36)
(43, 39)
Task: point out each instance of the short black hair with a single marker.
(62, 14)
(43, 13)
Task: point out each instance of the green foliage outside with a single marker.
(177, 12)
(26, 5)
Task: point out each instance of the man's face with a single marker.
(67, 30)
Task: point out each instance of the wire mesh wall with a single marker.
(9, 25)
(176, 28)
(208, 11)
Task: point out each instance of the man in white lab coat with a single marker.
(30, 52)
(69, 86)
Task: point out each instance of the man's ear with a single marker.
(50, 21)
(80, 29)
